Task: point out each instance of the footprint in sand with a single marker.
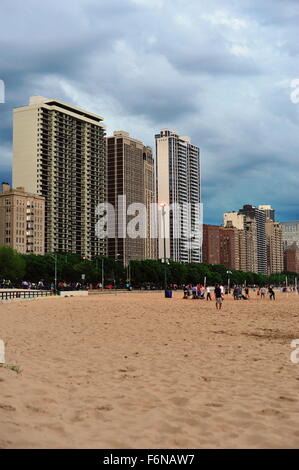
(35, 409)
(214, 405)
(5, 407)
(127, 369)
(271, 412)
(4, 444)
(179, 401)
(287, 398)
(167, 428)
(79, 416)
(104, 408)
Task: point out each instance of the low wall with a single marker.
(73, 293)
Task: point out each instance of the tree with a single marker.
(12, 265)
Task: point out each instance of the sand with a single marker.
(140, 371)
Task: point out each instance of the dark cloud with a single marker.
(218, 71)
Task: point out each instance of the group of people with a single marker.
(200, 292)
(239, 293)
(263, 291)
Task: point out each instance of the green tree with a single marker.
(12, 265)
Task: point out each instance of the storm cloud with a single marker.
(219, 72)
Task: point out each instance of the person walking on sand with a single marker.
(208, 291)
(246, 292)
(271, 293)
(218, 297)
(263, 293)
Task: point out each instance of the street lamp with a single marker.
(55, 282)
(163, 205)
(102, 269)
(116, 259)
(103, 273)
(54, 256)
(129, 273)
(228, 280)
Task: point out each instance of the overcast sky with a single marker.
(219, 71)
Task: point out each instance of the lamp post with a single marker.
(102, 269)
(103, 273)
(228, 280)
(163, 204)
(55, 269)
(54, 256)
(116, 259)
(129, 273)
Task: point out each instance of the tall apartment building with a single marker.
(178, 184)
(291, 258)
(275, 262)
(233, 248)
(151, 246)
(269, 212)
(130, 174)
(225, 245)
(234, 219)
(22, 220)
(59, 153)
(290, 233)
(248, 247)
(258, 219)
(251, 246)
(211, 244)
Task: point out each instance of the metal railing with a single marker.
(24, 294)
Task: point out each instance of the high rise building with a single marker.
(234, 219)
(257, 217)
(274, 247)
(290, 233)
(251, 246)
(269, 212)
(248, 248)
(178, 185)
(59, 153)
(291, 258)
(22, 220)
(130, 175)
(232, 248)
(211, 244)
(151, 246)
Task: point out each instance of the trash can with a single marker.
(168, 294)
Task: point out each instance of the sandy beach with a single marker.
(140, 371)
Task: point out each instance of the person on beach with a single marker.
(218, 297)
(271, 293)
(198, 289)
(185, 290)
(194, 292)
(263, 293)
(235, 293)
(246, 292)
(208, 291)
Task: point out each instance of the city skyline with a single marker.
(229, 70)
(9, 177)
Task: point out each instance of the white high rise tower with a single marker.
(179, 193)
